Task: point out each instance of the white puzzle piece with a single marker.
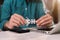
(30, 21)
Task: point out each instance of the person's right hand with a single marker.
(15, 21)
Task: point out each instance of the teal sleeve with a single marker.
(0, 14)
(40, 10)
(5, 13)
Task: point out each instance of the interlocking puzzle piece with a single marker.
(27, 22)
(30, 21)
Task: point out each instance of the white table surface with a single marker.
(28, 36)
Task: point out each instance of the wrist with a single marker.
(6, 26)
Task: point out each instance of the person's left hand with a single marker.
(44, 20)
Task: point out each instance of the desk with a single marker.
(27, 36)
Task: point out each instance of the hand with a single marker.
(44, 20)
(15, 20)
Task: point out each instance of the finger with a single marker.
(47, 15)
(15, 24)
(41, 18)
(11, 22)
(10, 25)
(19, 20)
(44, 20)
(20, 17)
(46, 23)
(16, 21)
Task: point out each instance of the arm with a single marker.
(5, 15)
(10, 21)
(45, 19)
(47, 6)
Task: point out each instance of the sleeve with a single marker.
(46, 10)
(40, 9)
(5, 13)
(48, 5)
